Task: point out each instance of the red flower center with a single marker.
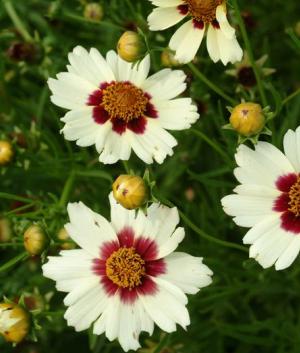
(201, 10)
(288, 202)
(124, 104)
(127, 266)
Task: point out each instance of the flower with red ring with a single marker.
(115, 106)
(126, 276)
(268, 200)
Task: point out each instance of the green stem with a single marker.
(5, 195)
(202, 233)
(162, 344)
(67, 190)
(212, 144)
(126, 166)
(13, 261)
(250, 53)
(291, 96)
(16, 20)
(3, 245)
(211, 85)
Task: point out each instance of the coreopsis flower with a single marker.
(268, 200)
(14, 322)
(114, 106)
(126, 276)
(204, 16)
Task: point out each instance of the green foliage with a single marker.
(246, 309)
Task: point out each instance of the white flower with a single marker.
(268, 200)
(114, 106)
(204, 16)
(126, 277)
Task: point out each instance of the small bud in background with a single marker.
(190, 194)
(93, 11)
(247, 119)
(168, 59)
(22, 51)
(63, 235)
(5, 230)
(130, 191)
(14, 322)
(35, 240)
(131, 46)
(6, 152)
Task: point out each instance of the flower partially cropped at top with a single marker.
(268, 200)
(203, 16)
(115, 106)
(127, 276)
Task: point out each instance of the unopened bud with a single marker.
(130, 46)
(6, 152)
(93, 11)
(168, 59)
(68, 244)
(14, 322)
(247, 119)
(35, 240)
(130, 191)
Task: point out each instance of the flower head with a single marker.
(114, 106)
(6, 152)
(268, 200)
(131, 46)
(14, 322)
(204, 16)
(127, 276)
(35, 240)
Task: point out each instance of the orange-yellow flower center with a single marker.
(125, 101)
(125, 268)
(294, 195)
(203, 10)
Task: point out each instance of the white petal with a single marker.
(165, 84)
(289, 255)
(116, 147)
(187, 272)
(212, 44)
(186, 42)
(167, 3)
(261, 228)
(176, 114)
(88, 229)
(140, 71)
(170, 243)
(291, 143)
(221, 17)
(229, 48)
(120, 216)
(164, 17)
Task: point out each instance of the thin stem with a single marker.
(211, 85)
(250, 53)
(126, 166)
(212, 144)
(16, 20)
(202, 233)
(67, 190)
(291, 96)
(10, 263)
(162, 344)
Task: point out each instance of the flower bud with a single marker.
(247, 119)
(168, 59)
(130, 46)
(5, 230)
(35, 240)
(14, 322)
(93, 11)
(63, 235)
(6, 152)
(130, 191)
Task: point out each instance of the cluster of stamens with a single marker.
(123, 100)
(294, 196)
(125, 268)
(203, 10)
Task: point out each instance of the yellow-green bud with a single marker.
(93, 11)
(247, 119)
(168, 59)
(130, 191)
(63, 235)
(6, 152)
(5, 230)
(130, 46)
(35, 240)
(14, 322)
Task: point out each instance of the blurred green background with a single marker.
(246, 309)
